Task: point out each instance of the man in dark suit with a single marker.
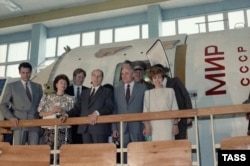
(23, 96)
(95, 101)
(183, 101)
(128, 98)
(75, 90)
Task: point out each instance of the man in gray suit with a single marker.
(128, 98)
(20, 102)
(94, 102)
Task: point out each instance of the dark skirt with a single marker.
(64, 137)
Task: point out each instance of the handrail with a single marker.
(199, 112)
(121, 118)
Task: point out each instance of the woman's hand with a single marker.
(56, 109)
(175, 129)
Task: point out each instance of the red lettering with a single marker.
(245, 81)
(212, 61)
(244, 69)
(212, 50)
(243, 58)
(214, 90)
(240, 49)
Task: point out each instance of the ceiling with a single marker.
(19, 15)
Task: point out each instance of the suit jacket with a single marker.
(181, 93)
(102, 101)
(70, 90)
(21, 107)
(183, 101)
(135, 105)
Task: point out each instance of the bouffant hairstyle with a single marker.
(155, 70)
(60, 77)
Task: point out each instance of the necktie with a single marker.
(128, 93)
(78, 93)
(91, 95)
(28, 91)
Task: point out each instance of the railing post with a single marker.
(213, 139)
(55, 145)
(121, 143)
(197, 140)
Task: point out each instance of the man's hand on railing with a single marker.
(115, 134)
(189, 121)
(14, 121)
(63, 118)
(93, 118)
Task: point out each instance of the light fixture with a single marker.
(11, 5)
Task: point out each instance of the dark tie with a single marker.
(28, 91)
(128, 93)
(78, 93)
(91, 95)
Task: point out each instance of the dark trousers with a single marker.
(182, 125)
(76, 138)
(94, 138)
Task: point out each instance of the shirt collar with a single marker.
(96, 88)
(131, 84)
(25, 82)
(76, 86)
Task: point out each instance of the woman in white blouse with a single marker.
(52, 106)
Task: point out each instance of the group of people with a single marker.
(24, 99)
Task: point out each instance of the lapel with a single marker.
(86, 94)
(22, 88)
(33, 90)
(134, 92)
(122, 90)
